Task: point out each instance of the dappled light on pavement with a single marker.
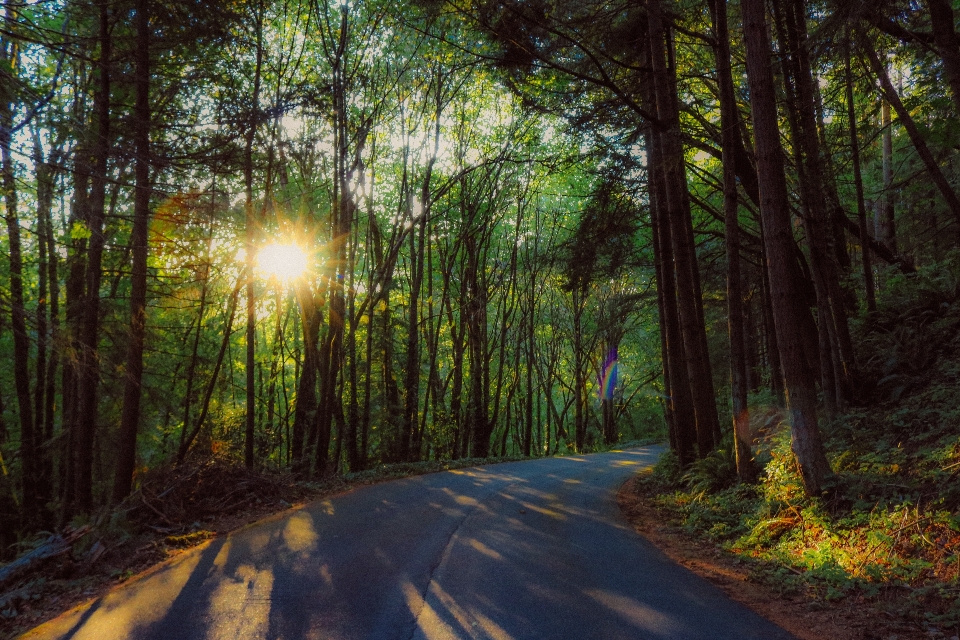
(508, 552)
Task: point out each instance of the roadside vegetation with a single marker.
(887, 533)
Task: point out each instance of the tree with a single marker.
(780, 247)
(130, 416)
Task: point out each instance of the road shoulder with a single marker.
(805, 617)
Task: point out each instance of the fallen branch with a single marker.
(56, 545)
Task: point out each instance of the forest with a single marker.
(315, 237)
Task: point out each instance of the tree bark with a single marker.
(730, 127)
(132, 392)
(886, 227)
(251, 249)
(677, 210)
(869, 293)
(89, 370)
(947, 43)
(305, 411)
(18, 315)
(46, 412)
(774, 208)
(679, 401)
(836, 348)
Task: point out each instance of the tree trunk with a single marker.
(46, 412)
(677, 209)
(679, 401)
(211, 385)
(476, 318)
(130, 413)
(774, 208)
(868, 286)
(18, 316)
(89, 369)
(906, 120)
(251, 238)
(947, 43)
(305, 412)
(729, 126)
(836, 352)
(886, 229)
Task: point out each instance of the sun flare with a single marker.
(284, 262)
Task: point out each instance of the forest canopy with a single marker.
(323, 236)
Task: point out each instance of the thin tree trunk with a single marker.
(195, 348)
(132, 392)
(251, 238)
(211, 385)
(869, 293)
(729, 126)
(46, 357)
(886, 230)
(677, 382)
(87, 401)
(18, 316)
(50, 405)
(906, 120)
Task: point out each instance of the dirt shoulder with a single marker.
(803, 615)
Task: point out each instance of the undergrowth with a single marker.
(890, 534)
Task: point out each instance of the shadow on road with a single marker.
(519, 550)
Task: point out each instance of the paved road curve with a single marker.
(520, 550)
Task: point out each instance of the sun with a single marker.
(285, 262)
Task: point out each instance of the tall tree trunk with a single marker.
(132, 392)
(18, 315)
(89, 379)
(305, 412)
(44, 206)
(409, 449)
(869, 293)
(251, 239)
(70, 385)
(195, 348)
(677, 208)
(886, 229)
(730, 126)
(774, 208)
(679, 401)
(45, 355)
(947, 43)
(478, 420)
(836, 352)
(579, 369)
(458, 348)
(353, 408)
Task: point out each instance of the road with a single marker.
(524, 550)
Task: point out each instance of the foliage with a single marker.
(892, 522)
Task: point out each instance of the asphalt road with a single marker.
(520, 550)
